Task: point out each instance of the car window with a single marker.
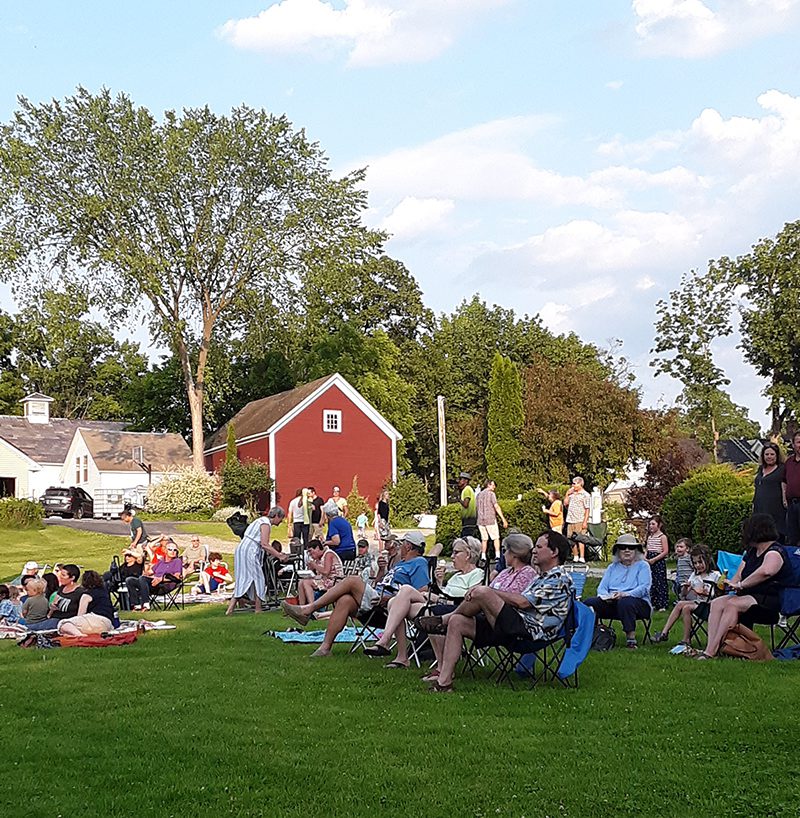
(57, 493)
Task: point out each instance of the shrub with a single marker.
(18, 513)
(718, 522)
(408, 496)
(681, 504)
(222, 514)
(356, 504)
(448, 525)
(244, 484)
(616, 519)
(526, 514)
(183, 491)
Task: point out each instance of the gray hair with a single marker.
(520, 545)
(471, 546)
(276, 512)
(331, 509)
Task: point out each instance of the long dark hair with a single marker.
(778, 453)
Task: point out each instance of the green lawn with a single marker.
(217, 719)
(222, 532)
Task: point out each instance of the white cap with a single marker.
(31, 566)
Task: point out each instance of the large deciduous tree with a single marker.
(504, 422)
(170, 223)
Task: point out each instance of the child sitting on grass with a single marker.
(684, 564)
(695, 591)
(8, 613)
(215, 576)
(35, 607)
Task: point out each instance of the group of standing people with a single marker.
(777, 489)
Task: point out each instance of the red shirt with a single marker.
(791, 476)
(220, 573)
(159, 554)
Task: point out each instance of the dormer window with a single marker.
(331, 420)
(37, 408)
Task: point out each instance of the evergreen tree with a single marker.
(505, 419)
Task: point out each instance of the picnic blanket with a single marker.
(97, 640)
(305, 637)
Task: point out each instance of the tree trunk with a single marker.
(714, 437)
(196, 410)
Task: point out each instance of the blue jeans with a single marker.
(44, 625)
(138, 590)
(793, 523)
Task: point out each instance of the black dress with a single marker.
(768, 498)
(383, 510)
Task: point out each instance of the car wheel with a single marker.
(78, 513)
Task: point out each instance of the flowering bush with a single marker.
(183, 491)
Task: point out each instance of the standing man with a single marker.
(339, 500)
(488, 512)
(138, 534)
(791, 493)
(316, 514)
(469, 511)
(578, 502)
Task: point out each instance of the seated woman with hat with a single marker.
(624, 590)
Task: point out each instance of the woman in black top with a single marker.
(64, 602)
(95, 610)
(382, 514)
(768, 497)
(757, 582)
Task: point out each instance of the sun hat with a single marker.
(626, 540)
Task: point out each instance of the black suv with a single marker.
(71, 502)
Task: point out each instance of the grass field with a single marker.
(215, 718)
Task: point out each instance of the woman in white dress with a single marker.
(247, 567)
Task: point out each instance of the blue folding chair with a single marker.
(728, 562)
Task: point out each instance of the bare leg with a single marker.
(349, 586)
(673, 617)
(686, 613)
(399, 608)
(725, 612)
(344, 608)
(68, 629)
(458, 627)
(305, 591)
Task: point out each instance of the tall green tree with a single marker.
(170, 223)
(12, 389)
(504, 421)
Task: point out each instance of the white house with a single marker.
(33, 447)
(110, 459)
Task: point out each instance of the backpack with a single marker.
(604, 638)
(742, 643)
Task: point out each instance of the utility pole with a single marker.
(442, 452)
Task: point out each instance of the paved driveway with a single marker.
(111, 526)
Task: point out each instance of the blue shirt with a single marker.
(340, 526)
(633, 580)
(412, 572)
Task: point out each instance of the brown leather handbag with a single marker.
(742, 643)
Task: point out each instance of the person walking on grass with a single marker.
(578, 502)
(488, 510)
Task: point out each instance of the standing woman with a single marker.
(768, 497)
(657, 550)
(555, 511)
(382, 513)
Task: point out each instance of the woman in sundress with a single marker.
(657, 550)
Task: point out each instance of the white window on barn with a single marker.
(77, 470)
(331, 420)
(86, 468)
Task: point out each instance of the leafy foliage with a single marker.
(19, 513)
(448, 525)
(616, 519)
(221, 514)
(407, 497)
(245, 483)
(682, 503)
(718, 521)
(504, 421)
(184, 490)
(356, 504)
(526, 514)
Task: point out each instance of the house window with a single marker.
(86, 468)
(331, 420)
(77, 470)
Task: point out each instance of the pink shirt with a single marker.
(514, 582)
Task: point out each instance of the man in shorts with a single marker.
(488, 512)
(492, 617)
(578, 502)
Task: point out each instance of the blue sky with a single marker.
(566, 159)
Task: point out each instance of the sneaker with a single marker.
(136, 608)
(782, 622)
(631, 644)
(146, 606)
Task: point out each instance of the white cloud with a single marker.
(413, 217)
(644, 283)
(693, 28)
(614, 85)
(374, 32)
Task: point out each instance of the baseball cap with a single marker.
(31, 566)
(415, 538)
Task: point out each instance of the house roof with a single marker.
(260, 415)
(37, 396)
(46, 442)
(113, 450)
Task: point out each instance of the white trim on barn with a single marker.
(273, 470)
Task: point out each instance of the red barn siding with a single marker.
(307, 456)
(255, 450)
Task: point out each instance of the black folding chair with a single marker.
(169, 593)
(117, 589)
(270, 566)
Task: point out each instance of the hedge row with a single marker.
(15, 513)
(718, 522)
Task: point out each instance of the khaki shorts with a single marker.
(90, 623)
(490, 532)
(574, 528)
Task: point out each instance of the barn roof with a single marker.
(260, 416)
(112, 450)
(47, 442)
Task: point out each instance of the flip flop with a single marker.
(396, 665)
(437, 688)
(431, 677)
(377, 650)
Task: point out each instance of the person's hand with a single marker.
(439, 574)
(505, 523)
(544, 508)
(618, 595)
(785, 504)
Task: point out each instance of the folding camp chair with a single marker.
(418, 641)
(550, 660)
(270, 567)
(367, 624)
(790, 609)
(647, 623)
(579, 571)
(699, 633)
(117, 588)
(169, 593)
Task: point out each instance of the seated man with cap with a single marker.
(490, 617)
(624, 590)
(352, 594)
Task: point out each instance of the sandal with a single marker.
(703, 656)
(659, 636)
(395, 665)
(437, 688)
(432, 676)
(432, 624)
(377, 650)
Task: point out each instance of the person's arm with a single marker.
(136, 537)
(568, 496)
(771, 565)
(585, 523)
(515, 600)
(783, 488)
(500, 513)
(549, 511)
(464, 499)
(602, 588)
(334, 541)
(83, 604)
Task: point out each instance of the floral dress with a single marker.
(659, 590)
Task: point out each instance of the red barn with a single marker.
(321, 434)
